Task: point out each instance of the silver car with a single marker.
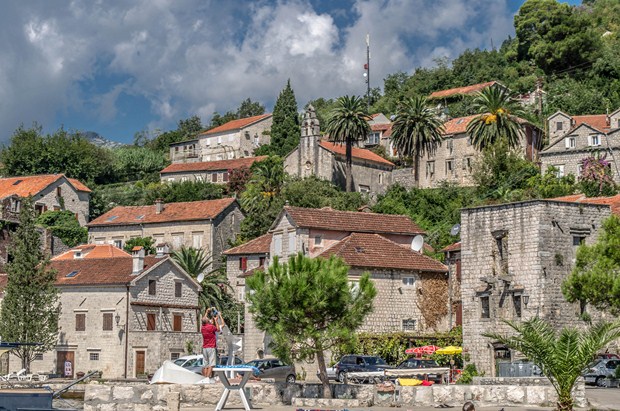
(599, 370)
(274, 368)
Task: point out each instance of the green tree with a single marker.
(308, 307)
(148, 243)
(30, 309)
(312, 192)
(347, 124)
(497, 120)
(64, 225)
(217, 119)
(550, 185)
(133, 163)
(186, 130)
(595, 279)
(249, 108)
(562, 356)
(285, 130)
(183, 191)
(417, 130)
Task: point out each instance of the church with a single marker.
(372, 174)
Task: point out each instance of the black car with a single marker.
(415, 363)
(359, 363)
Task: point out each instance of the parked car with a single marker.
(195, 363)
(599, 370)
(415, 363)
(359, 363)
(331, 372)
(274, 368)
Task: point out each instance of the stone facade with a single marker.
(371, 174)
(216, 172)
(235, 139)
(514, 260)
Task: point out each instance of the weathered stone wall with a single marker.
(233, 271)
(459, 152)
(70, 199)
(404, 177)
(234, 144)
(558, 125)
(226, 226)
(535, 255)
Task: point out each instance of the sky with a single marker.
(117, 67)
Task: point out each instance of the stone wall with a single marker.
(404, 177)
(226, 226)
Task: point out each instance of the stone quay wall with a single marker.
(488, 392)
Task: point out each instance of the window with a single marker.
(151, 322)
(80, 322)
(467, 164)
(214, 177)
(197, 239)
(175, 356)
(354, 286)
(177, 240)
(178, 289)
(93, 356)
(256, 140)
(450, 146)
(118, 243)
(559, 171)
(318, 241)
(152, 287)
(373, 139)
(578, 240)
(485, 307)
(38, 357)
(364, 189)
(199, 178)
(243, 264)
(380, 178)
(107, 321)
(409, 281)
(595, 140)
(559, 126)
(100, 240)
(292, 243)
(261, 261)
(219, 139)
(449, 167)
(58, 191)
(225, 176)
(177, 322)
(430, 168)
(409, 325)
(570, 142)
(516, 300)
(219, 157)
(277, 244)
(183, 179)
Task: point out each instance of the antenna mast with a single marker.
(367, 73)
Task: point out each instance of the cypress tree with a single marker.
(285, 130)
(30, 309)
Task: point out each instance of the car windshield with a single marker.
(253, 363)
(375, 361)
(180, 362)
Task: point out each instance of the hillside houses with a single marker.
(216, 172)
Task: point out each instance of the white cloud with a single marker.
(199, 57)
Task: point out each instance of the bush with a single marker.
(467, 376)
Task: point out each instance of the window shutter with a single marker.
(177, 324)
(567, 142)
(80, 322)
(178, 290)
(151, 322)
(107, 321)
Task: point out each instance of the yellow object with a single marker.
(450, 350)
(409, 382)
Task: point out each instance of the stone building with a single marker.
(376, 243)
(120, 314)
(381, 131)
(243, 260)
(514, 259)
(235, 139)
(209, 171)
(48, 191)
(573, 138)
(208, 224)
(452, 258)
(326, 160)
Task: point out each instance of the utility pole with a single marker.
(367, 72)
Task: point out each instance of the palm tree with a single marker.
(215, 283)
(498, 118)
(416, 130)
(348, 122)
(562, 356)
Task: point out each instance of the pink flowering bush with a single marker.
(596, 178)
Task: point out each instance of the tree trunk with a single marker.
(348, 172)
(320, 358)
(416, 169)
(565, 402)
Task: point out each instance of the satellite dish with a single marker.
(417, 243)
(456, 228)
(200, 277)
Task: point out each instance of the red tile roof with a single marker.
(31, 185)
(613, 202)
(461, 90)
(360, 153)
(187, 211)
(93, 251)
(235, 124)
(352, 221)
(598, 121)
(98, 271)
(374, 251)
(452, 247)
(386, 128)
(259, 245)
(212, 165)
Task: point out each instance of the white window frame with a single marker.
(595, 140)
(408, 324)
(292, 243)
(277, 244)
(408, 281)
(560, 170)
(318, 241)
(570, 142)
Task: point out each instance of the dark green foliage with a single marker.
(30, 308)
(308, 306)
(186, 130)
(237, 180)
(549, 185)
(64, 225)
(595, 279)
(184, 191)
(285, 130)
(249, 108)
(467, 376)
(323, 109)
(312, 192)
(132, 163)
(148, 243)
(30, 152)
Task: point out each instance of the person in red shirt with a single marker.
(212, 323)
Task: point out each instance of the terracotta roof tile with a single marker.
(235, 124)
(375, 251)
(386, 128)
(361, 153)
(31, 185)
(613, 201)
(186, 211)
(93, 251)
(212, 165)
(461, 90)
(352, 221)
(598, 121)
(452, 247)
(103, 271)
(259, 245)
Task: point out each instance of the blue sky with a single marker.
(118, 67)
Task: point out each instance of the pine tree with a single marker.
(30, 308)
(285, 130)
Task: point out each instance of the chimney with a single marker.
(137, 254)
(159, 206)
(162, 250)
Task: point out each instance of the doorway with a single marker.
(65, 364)
(140, 361)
